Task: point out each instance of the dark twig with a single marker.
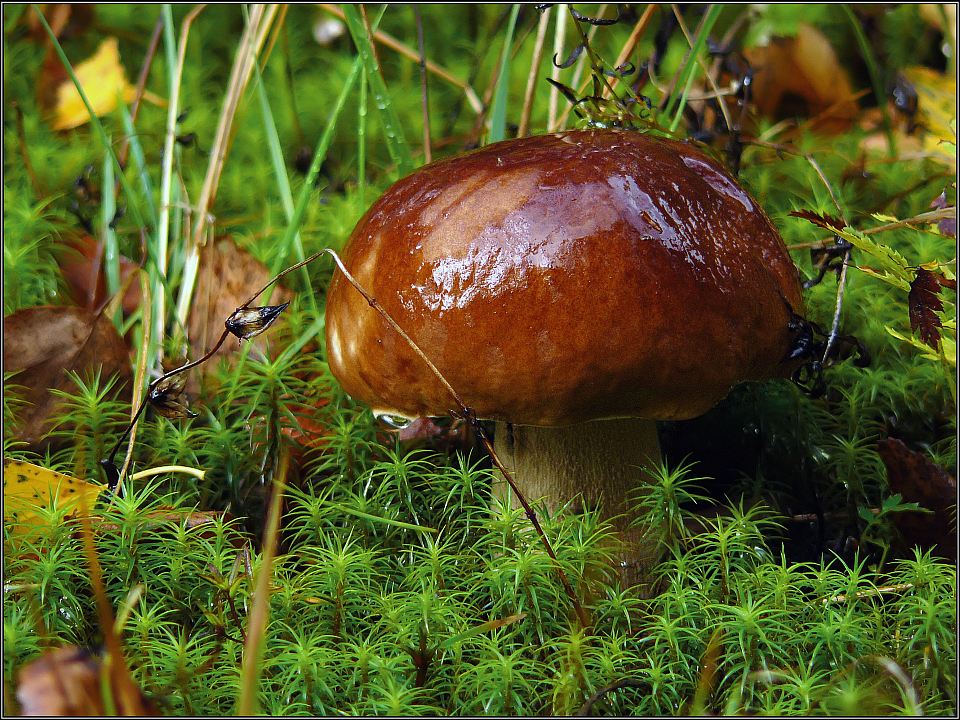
(587, 708)
(467, 414)
(108, 465)
(141, 86)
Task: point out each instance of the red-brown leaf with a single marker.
(43, 343)
(919, 480)
(82, 268)
(824, 220)
(67, 681)
(227, 278)
(924, 303)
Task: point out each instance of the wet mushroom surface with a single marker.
(560, 280)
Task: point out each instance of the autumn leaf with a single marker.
(228, 276)
(104, 82)
(803, 67)
(70, 681)
(917, 479)
(42, 343)
(28, 487)
(924, 303)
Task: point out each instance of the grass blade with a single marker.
(498, 111)
(283, 183)
(687, 74)
(396, 141)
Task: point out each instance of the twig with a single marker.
(627, 50)
(931, 216)
(142, 360)
(587, 708)
(467, 414)
(108, 463)
(534, 70)
(835, 327)
(885, 590)
(927, 217)
(251, 42)
(141, 86)
(842, 280)
(394, 44)
(260, 612)
(427, 154)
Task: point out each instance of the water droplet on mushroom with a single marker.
(394, 422)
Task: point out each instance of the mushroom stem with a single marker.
(600, 461)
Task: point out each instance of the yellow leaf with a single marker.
(936, 111)
(104, 82)
(27, 487)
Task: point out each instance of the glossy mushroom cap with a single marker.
(564, 278)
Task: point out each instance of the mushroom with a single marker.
(574, 287)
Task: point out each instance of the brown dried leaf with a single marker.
(43, 343)
(67, 20)
(68, 681)
(801, 76)
(227, 278)
(924, 304)
(919, 480)
(82, 268)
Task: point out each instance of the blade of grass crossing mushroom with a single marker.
(558, 36)
(467, 414)
(498, 112)
(392, 129)
(676, 104)
(362, 142)
(95, 123)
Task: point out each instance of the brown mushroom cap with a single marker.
(564, 278)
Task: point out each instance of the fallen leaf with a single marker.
(27, 487)
(919, 480)
(43, 343)
(66, 20)
(81, 264)
(228, 276)
(801, 77)
(104, 82)
(947, 226)
(71, 681)
(924, 303)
